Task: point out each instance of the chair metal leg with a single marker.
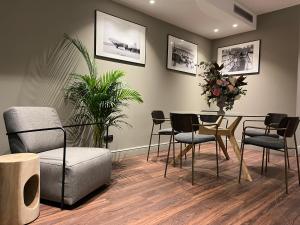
(268, 156)
(285, 168)
(297, 157)
(217, 158)
(158, 145)
(242, 158)
(266, 161)
(167, 162)
(262, 161)
(199, 147)
(174, 163)
(288, 158)
(180, 155)
(62, 202)
(150, 141)
(193, 159)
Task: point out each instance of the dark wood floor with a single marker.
(140, 195)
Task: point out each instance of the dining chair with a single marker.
(271, 120)
(286, 129)
(187, 125)
(158, 118)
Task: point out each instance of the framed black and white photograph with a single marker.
(182, 55)
(241, 58)
(119, 39)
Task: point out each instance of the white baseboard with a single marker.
(155, 145)
(137, 147)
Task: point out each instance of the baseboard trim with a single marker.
(138, 147)
(153, 145)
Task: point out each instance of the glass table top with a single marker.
(227, 114)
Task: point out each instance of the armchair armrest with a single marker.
(246, 121)
(208, 125)
(80, 125)
(263, 128)
(35, 130)
(64, 153)
(165, 119)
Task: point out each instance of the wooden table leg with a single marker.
(237, 152)
(185, 150)
(221, 143)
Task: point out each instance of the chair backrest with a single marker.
(209, 118)
(28, 118)
(183, 122)
(273, 119)
(158, 116)
(291, 125)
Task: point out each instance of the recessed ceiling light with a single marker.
(216, 30)
(152, 2)
(235, 25)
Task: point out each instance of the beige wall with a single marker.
(30, 28)
(274, 89)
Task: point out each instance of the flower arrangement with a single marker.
(220, 88)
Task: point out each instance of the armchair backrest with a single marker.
(273, 119)
(184, 122)
(290, 124)
(28, 118)
(158, 116)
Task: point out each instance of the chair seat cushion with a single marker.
(265, 141)
(198, 138)
(254, 133)
(86, 170)
(166, 131)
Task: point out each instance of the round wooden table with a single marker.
(19, 188)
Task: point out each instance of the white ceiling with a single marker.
(264, 6)
(203, 16)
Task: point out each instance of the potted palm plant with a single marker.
(98, 98)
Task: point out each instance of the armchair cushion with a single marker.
(198, 138)
(86, 170)
(254, 133)
(266, 142)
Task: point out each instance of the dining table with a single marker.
(229, 131)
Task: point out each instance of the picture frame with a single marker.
(119, 40)
(182, 55)
(240, 59)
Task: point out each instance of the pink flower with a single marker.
(216, 91)
(219, 82)
(231, 87)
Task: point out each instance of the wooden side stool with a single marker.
(19, 188)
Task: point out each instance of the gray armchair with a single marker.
(67, 173)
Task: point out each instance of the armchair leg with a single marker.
(150, 142)
(286, 169)
(193, 159)
(158, 145)
(266, 161)
(262, 161)
(297, 157)
(217, 158)
(174, 162)
(242, 158)
(180, 155)
(167, 162)
(288, 158)
(63, 172)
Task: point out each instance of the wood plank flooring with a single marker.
(139, 194)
